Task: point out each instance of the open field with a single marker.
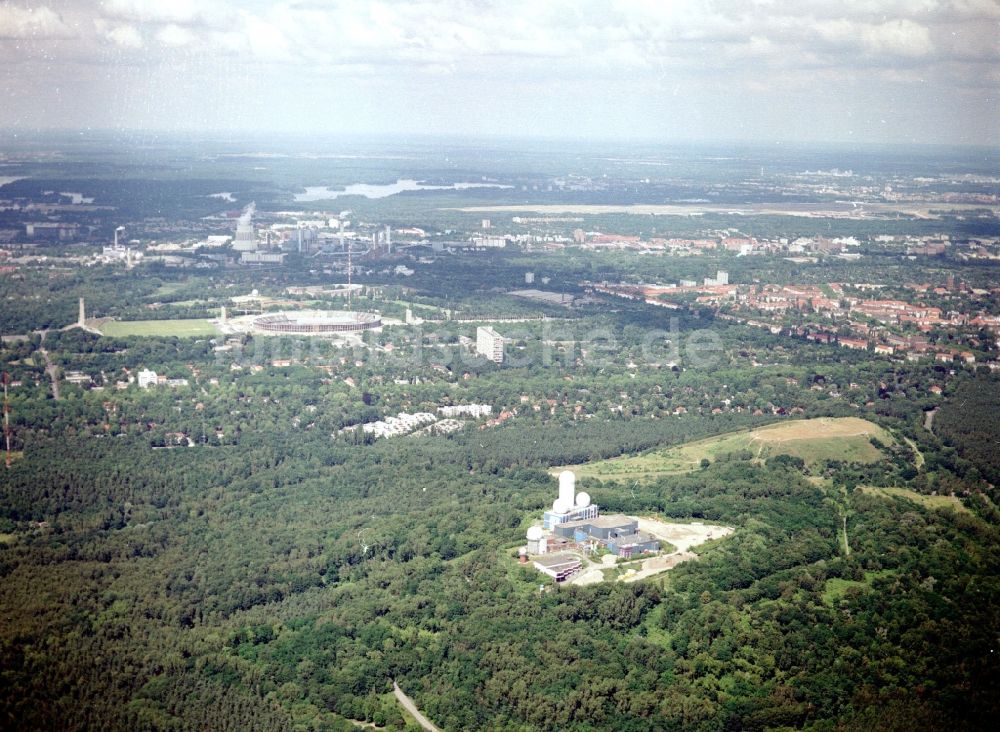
(169, 288)
(813, 440)
(183, 328)
(919, 498)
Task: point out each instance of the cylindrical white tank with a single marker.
(535, 533)
(567, 486)
(582, 499)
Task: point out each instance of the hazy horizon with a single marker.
(410, 137)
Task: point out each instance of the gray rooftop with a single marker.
(611, 522)
(553, 561)
(639, 537)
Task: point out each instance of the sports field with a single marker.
(813, 440)
(183, 328)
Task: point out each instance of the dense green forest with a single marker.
(281, 584)
(968, 420)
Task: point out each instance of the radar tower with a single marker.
(349, 271)
(6, 416)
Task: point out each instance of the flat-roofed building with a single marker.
(631, 544)
(558, 566)
(598, 527)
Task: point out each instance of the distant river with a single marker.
(369, 190)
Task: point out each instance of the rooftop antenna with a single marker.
(6, 416)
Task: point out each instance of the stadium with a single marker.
(317, 322)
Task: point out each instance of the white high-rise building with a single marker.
(721, 278)
(489, 343)
(147, 379)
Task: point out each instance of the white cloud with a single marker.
(126, 36)
(457, 50)
(899, 37)
(40, 23)
(977, 8)
(575, 36)
(180, 12)
(267, 40)
(175, 36)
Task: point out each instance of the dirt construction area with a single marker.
(682, 536)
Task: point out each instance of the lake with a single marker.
(370, 190)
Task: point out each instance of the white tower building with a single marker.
(489, 343)
(567, 488)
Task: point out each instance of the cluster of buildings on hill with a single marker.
(574, 524)
(405, 423)
(147, 378)
(401, 424)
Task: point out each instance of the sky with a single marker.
(864, 71)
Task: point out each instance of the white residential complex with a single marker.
(466, 410)
(401, 424)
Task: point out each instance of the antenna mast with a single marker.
(6, 416)
(350, 269)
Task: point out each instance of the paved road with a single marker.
(50, 368)
(409, 706)
(929, 419)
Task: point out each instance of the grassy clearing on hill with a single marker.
(813, 440)
(836, 587)
(920, 498)
(183, 328)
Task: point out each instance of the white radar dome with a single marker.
(582, 499)
(561, 505)
(535, 533)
